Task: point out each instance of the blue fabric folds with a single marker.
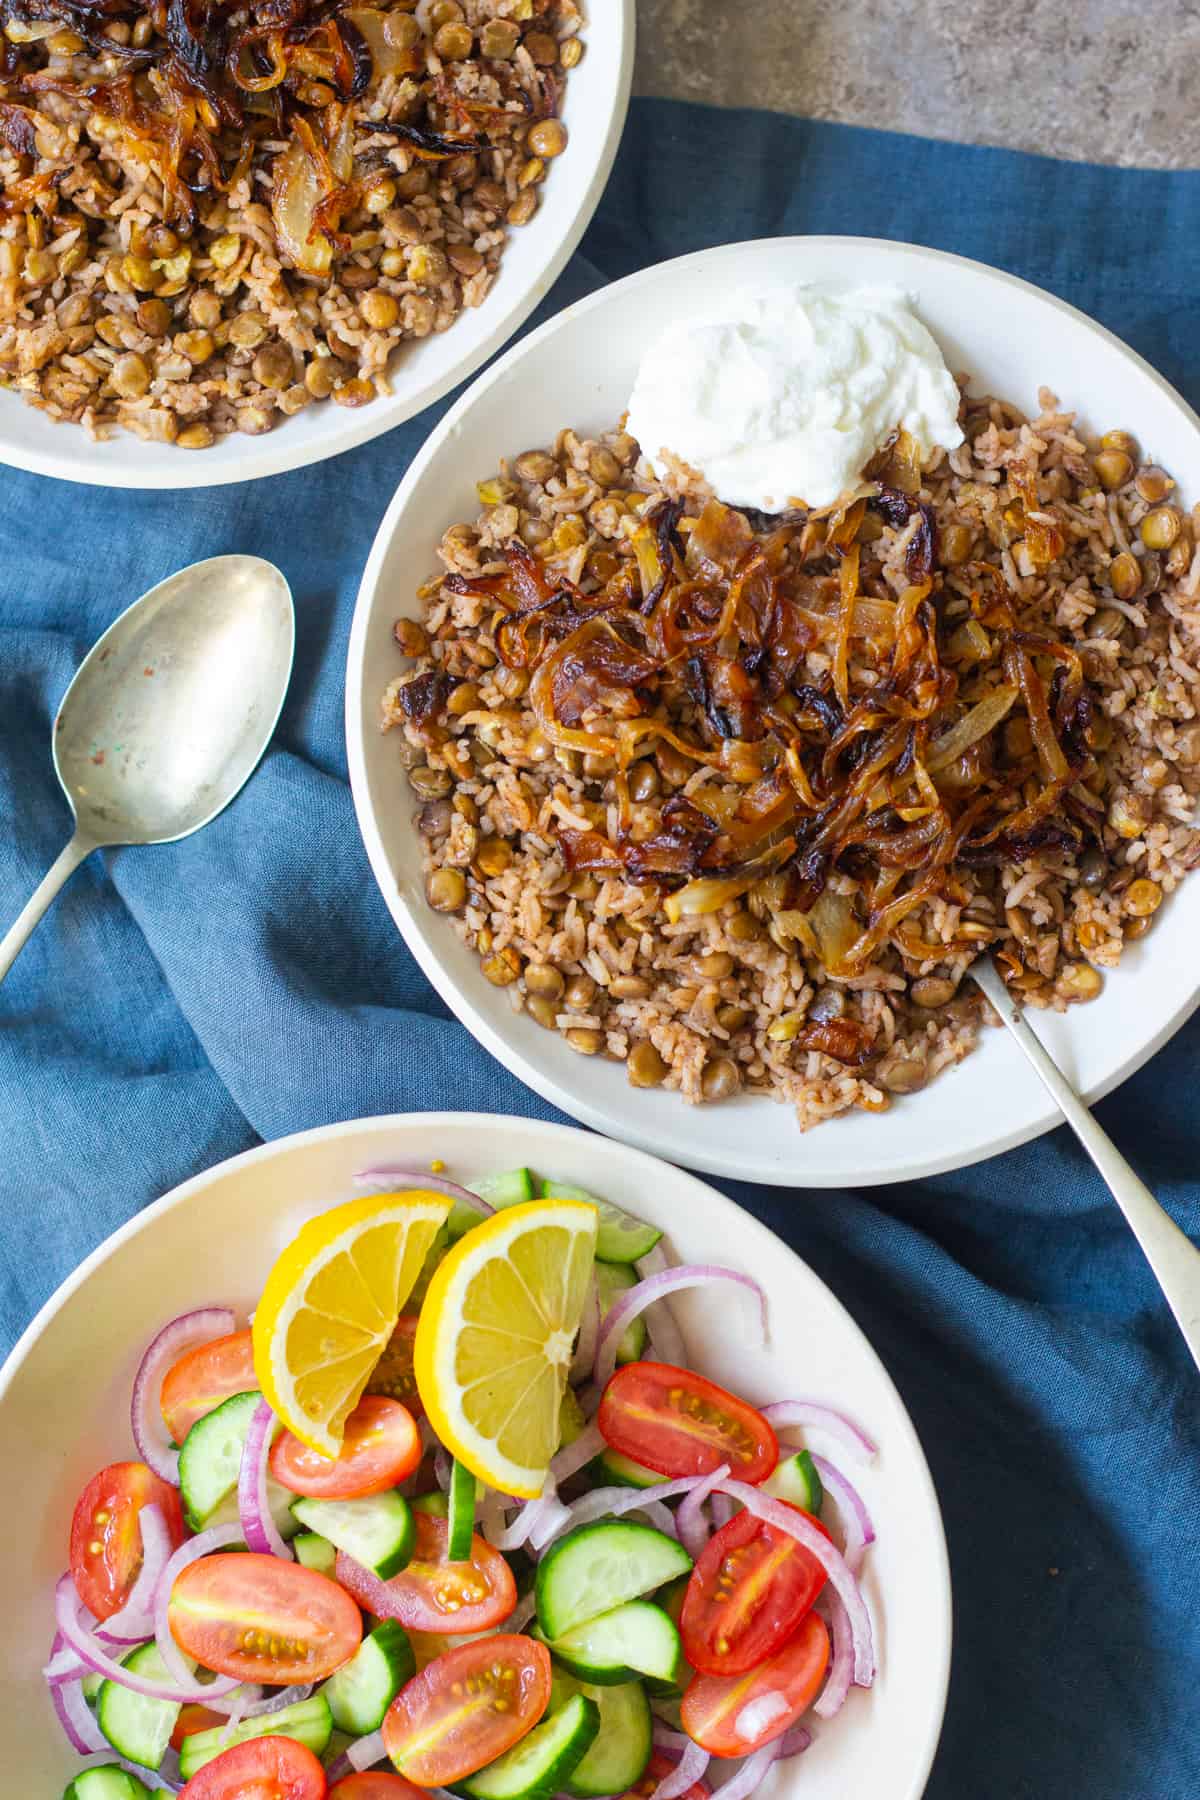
(179, 1004)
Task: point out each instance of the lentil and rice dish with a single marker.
(213, 215)
(737, 798)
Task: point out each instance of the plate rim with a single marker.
(547, 1130)
(575, 1102)
(258, 464)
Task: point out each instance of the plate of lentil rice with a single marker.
(269, 234)
(668, 1002)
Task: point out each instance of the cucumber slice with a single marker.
(596, 1567)
(796, 1479)
(612, 1466)
(620, 1238)
(109, 1782)
(633, 1640)
(544, 1760)
(617, 1759)
(360, 1692)
(138, 1728)
(91, 1684)
(613, 1280)
(315, 1552)
(435, 1503)
(461, 1513)
(308, 1721)
(670, 1599)
(339, 1743)
(508, 1189)
(211, 1457)
(377, 1531)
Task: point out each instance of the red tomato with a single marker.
(750, 1588)
(435, 1732)
(267, 1768)
(658, 1767)
(393, 1373)
(713, 1709)
(380, 1447)
(375, 1785)
(678, 1424)
(202, 1378)
(431, 1594)
(262, 1619)
(106, 1538)
(193, 1719)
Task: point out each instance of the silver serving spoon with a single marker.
(169, 713)
(1172, 1256)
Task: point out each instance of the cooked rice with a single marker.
(228, 336)
(703, 992)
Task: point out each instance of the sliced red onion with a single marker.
(441, 1469)
(857, 1520)
(149, 1430)
(803, 1413)
(365, 1751)
(108, 1758)
(555, 1518)
(135, 1621)
(794, 1740)
(491, 1515)
(613, 1501)
(758, 1715)
(666, 1339)
(840, 1678)
(576, 1456)
(589, 1331)
(690, 1768)
(721, 1507)
(367, 1181)
(75, 1716)
(254, 1511)
(66, 1615)
(513, 1536)
(741, 1785)
(669, 1281)
(666, 1738)
(689, 1520)
(798, 1525)
(589, 1398)
(64, 1665)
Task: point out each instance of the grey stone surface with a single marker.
(1098, 80)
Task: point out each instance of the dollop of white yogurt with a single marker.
(785, 400)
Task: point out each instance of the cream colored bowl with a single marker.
(64, 1402)
(578, 370)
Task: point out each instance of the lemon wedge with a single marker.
(330, 1306)
(495, 1336)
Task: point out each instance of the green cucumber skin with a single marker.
(138, 1729)
(613, 1280)
(342, 1521)
(617, 1760)
(437, 1504)
(309, 1721)
(795, 1479)
(464, 1496)
(621, 1471)
(313, 1551)
(508, 1777)
(616, 1543)
(509, 1189)
(199, 1492)
(106, 1783)
(385, 1658)
(620, 1238)
(653, 1651)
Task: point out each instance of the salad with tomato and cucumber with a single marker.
(452, 1512)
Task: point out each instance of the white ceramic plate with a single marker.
(578, 370)
(64, 1402)
(594, 108)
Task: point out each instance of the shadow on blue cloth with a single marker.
(180, 1004)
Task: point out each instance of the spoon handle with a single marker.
(1171, 1254)
(65, 864)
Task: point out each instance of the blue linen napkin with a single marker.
(180, 1004)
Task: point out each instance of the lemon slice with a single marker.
(495, 1336)
(330, 1306)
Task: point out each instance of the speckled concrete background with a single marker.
(1101, 80)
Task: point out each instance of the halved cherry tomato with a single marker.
(393, 1373)
(656, 1770)
(193, 1719)
(380, 1447)
(262, 1619)
(677, 1423)
(431, 1594)
(106, 1537)
(467, 1708)
(202, 1378)
(714, 1709)
(266, 1768)
(373, 1784)
(750, 1588)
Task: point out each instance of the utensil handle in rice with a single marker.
(1172, 1256)
(64, 865)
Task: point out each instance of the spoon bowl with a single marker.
(169, 713)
